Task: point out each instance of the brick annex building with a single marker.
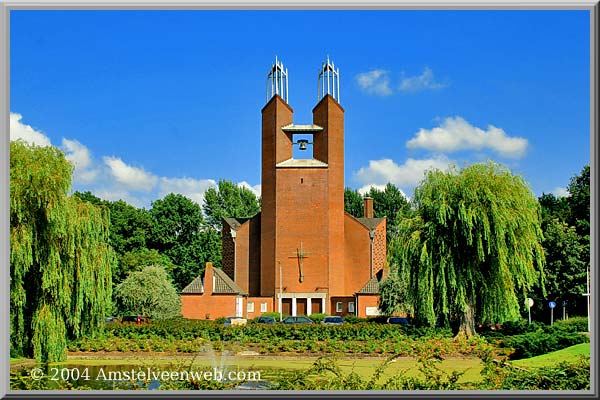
(302, 253)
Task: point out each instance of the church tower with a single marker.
(302, 218)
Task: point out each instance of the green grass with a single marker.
(364, 367)
(547, 360)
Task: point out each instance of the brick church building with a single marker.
(302, 253)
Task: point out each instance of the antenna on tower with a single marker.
(329, 81)
(277, 81)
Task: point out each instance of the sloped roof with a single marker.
(235, 223)
(370, 223)
(224, 284)
(195, 287)
(371, 287)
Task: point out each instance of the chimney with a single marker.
(368, 201)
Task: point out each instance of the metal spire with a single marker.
(278, 80)
(329, 81)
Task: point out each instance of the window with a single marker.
(339, 306)
(351, 307)
(250, 306)
(263, 307)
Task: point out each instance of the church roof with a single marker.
(224, 284)
(370, 223)
(195, 287)
(372, 286)
(235, 223)
(301, 163)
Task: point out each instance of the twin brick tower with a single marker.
(302, 253)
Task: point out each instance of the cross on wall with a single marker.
(301, 255)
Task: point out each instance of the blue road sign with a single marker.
(551, 304)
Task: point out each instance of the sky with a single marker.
(145, 103)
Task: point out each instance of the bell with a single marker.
(302, 143)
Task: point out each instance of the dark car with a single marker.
(137, 319)
(398, 321)
(298, 320)
(333, 320)
(265, 320)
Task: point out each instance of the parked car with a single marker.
(111, 320)
(298, 320)
(265, 320)
(333, 320)
(398, 321)
(235, 321)
(138, 319)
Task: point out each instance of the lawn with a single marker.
(547, 360)
(269, 365)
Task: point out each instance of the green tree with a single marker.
(180, 233)
(148, 292)
(131, 227)
(392, 295)
(228, 200)
(579, 202)
(353, 203)
(60, 256)
(565, 268)
(389, 203)
(474, 242)
(136, 259)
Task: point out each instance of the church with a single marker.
(302, 254)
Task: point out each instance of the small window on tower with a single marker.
(301, 180)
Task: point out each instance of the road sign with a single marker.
(551, 304)
(529, 302)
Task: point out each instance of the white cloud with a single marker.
(376, 82)
(132, 178)
(457, 134)
(193, 189)
(255, 189)
(425, 81)
(80, 156)
(560, 192)
(19, 130)
(409, 174)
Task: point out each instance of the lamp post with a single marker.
(587, 294)
(280, 292)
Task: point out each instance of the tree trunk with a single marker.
(467, 320)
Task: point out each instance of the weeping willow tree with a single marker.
(60, 257)
(473, 243)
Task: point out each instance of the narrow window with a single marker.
(251, 306)
(351, 307)
(339, 306)
(263, 307)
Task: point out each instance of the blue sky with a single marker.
(151, 102)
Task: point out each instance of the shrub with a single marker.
(532, 344)
(564, 376)
(273, 314)
(317, 317)
(574, 324)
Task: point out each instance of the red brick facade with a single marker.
(324, 255)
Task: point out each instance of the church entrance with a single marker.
(316, 306)
(301, 307)
(286, 307)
